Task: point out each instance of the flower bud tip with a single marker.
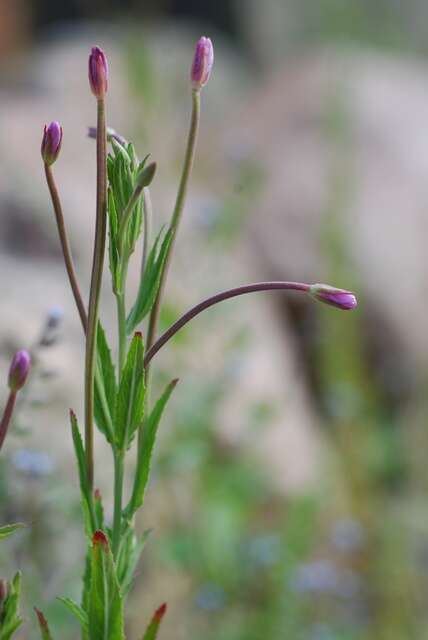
(98, 72)
(339, 298)
(100, 537)
(202, 65)
(146, 175)
(51, 142)
(18, 371)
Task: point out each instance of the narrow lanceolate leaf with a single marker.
(145, 451)
(130, 551)
(113, 244)
(149, 283)
(130, 400)
(153, 628)
(105, 608)
(43, 624)
(8, 529)
(10, 619)
(77, 611)
(105, 391)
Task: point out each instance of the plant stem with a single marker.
(94, 296)
(219, 297)
(177, 213)
(147, 226)
(65, 245)
(121, 324)
(118, 490)
(7, 416)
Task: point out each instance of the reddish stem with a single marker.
(7, 415)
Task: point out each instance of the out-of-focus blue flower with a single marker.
(264, 550)
(35, 464)
(348, 535)
(323, 577)
(210, 597)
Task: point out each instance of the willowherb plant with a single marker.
(116, 393)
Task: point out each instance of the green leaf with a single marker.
(153, 628)
(145, 452)
(77, 611)
(150, 280)
(105, 392)
(130, 401)
(130, 551)
(99, 510)
(43, 624)
(10, 619)
(113, 244)
(105, 615)
(8, 529)
(83, 476)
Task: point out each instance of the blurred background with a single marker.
(289, 495)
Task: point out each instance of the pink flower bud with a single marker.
(18, 371)
(51, 142)
(203, 61)
(98, 72)
(339, 298)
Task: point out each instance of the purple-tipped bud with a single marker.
(203, 61)
(98, 72)
(339, 298)
(19, 368)
(51, 142)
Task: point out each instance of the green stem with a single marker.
(118, 491)
(121, 324)
(177, 213)
(147, 229)
(95, 290)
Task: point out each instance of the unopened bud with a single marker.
(19, 368)
(51, 142)
(340, 298)
(98, 72)
(203, 61)
(146, 175)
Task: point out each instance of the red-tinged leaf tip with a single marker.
(138, 335)
(175, 381)
(42, 620)
(97, 494)
(159, 613)
(100, 537)
(72, 415)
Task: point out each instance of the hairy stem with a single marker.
(94, 296)
(65, 245)
(219, 297)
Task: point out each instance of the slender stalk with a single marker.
(177, 213)
(121, 324)
(96, 280)
(118, 490)
(147, 226)
(219, 297)
(7, 416)
(65, 245)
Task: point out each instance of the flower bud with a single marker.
(146, 175)
(51, 142)
(203, 61)
(19, 368)
(98, 72)
(339, 298)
